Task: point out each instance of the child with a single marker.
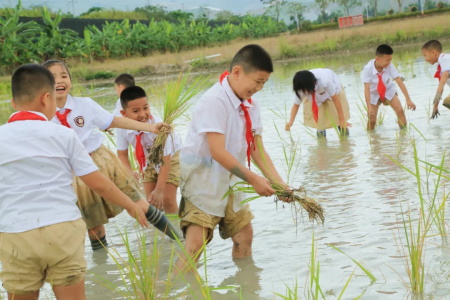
(224, 132)
(432, 51)
(84, 115)
(41, 230)
(378, 77)
(122, 82)
(325, 101)
(160, 182)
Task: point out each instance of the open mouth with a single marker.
(60, 89)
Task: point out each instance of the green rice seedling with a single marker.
(359, 264)
(175, 104)
(313, 289)
(291, 293)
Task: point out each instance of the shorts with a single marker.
(150, 174)
(53, 253)
(94, 209)
(328, 116)
(229, 225)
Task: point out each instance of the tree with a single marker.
(374, 4)
(348, 4)
(323, 5)
(400, 5)
(91, 10)
(156, 12)
(295, 10)
(274, 6)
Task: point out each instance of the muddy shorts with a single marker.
(53, 253)
(229, 225)
(94, 209)
(328, 117)
(150, 174)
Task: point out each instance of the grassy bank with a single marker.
(304, 45)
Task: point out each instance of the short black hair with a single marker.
(125, 79)
(384, 49)
(252, 58)
(52, 62)
(433, 45)
(29, 80)
(304, 81)
(131, 93)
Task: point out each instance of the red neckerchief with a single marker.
(24, 116)
(248, 124)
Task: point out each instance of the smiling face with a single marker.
(137, 109)
(63, 83)
(431, 56)
(245, 85)
(383, 61)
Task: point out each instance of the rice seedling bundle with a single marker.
(175, 104)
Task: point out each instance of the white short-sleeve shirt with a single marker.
(204, 181)
(369, 75)
(86, 117)
(328, 85)
(36, 163)
(117, 109)
(444, 62)
(126, 137)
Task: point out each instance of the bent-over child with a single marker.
(378, 77)
(160, 182)
(84, 116)
(42, 233)
(324, 98)
(432, 51)
(224, 132)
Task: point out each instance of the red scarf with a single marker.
(62, 117)
(24, 116)
(248, 124)
(140, 155)
(438, 73)
(314, 107)
(381, 87)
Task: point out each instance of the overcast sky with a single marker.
(80, 6)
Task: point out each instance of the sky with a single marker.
(79, 6)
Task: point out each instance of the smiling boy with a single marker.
(378, 77)
(225, 132)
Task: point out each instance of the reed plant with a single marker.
(175, 102)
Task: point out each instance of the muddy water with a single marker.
(364, 194)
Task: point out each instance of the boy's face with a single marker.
(119, 88)
(63, 84)
(430, 56)
(248, 84)
(383, 61)
(137, 109)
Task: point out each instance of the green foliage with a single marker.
(114, 14)
(100, 75)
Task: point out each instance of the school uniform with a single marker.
(204, 182)
(85, 118)
(388, 75)
(328, 85)
(40, 223)
(172, 147)
(117, 109)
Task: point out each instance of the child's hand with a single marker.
(410, 105)
(156, 199)
(435, 113)
(288, 126)
(261, 185)
(155, 128)
(138, 213)
(285, 198)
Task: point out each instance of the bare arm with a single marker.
(337, 103)
(264, 162)
(106, 189)
(126, 123)
(367, 94)
(123, 156)
(216, 143)
(402, 87)
(294, 112)
(157, 196)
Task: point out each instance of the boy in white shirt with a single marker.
(41, 230)
(325, 101)
(122, 82)
(432, 51)
(85, 117)
(160, 182)
(378, 77)
(225, 132)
